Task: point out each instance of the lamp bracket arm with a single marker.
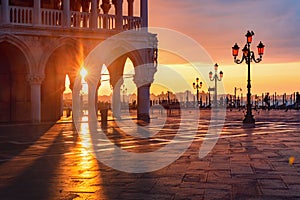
(254, 59)
(238, 61)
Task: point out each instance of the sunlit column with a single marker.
(116, 99)
(35, 81)
(94, 20)
(130, 7)
(66, 13)
(119, 14)
(144, 12)
(5, 11)
(96, 97)
(92, 100)
(105, 7)
(143, 104)
(143, 78)
(37, 12)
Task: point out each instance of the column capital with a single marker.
(105, 6)
(35, 79)
(144, 74)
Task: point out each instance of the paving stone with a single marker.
(217, 194)
(195, 177)
(241, 169)
(245, 190)
(272, 184)
(218, 175)
(283, 193)
(288, 179)
(261, 166)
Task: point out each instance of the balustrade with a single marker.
(21, 15)
(106, 21)
(54, 18)
(130, 22)
(51, 17)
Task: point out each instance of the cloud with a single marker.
(218, 24)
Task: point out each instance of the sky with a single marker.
(217, 25)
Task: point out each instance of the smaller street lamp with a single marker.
(197, 86)
(124, 91)
(235, 100)
(216, 78)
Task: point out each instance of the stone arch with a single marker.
(14, 87)
(22, 47)
(64, 57)
(113, 52)
(54, 46)
(116, 67)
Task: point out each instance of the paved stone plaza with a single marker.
(52, 162)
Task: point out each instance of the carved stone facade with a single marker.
(35, 59)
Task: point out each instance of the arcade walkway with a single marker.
(51, 162)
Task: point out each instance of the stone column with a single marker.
(94, 16)
(66, 13)
(144, 12)
(5, 11)
(37, 12)
(143, 100)
(130, 7)
(105, 7)
(119, 14)
(143, 78)
(116, 99)
(92, 93)
(35, 81)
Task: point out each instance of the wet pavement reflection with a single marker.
(54, 161)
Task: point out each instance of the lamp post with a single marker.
(248, 56)
(235, 89)
(197, 86)
(124, 91)
(216, 78)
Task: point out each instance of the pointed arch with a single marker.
(64, 57)
(64, 41)
(23, 48)
(14, 86)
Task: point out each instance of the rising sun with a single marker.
(83, 72)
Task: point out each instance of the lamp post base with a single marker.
(249, 119)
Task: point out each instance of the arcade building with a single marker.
(42, 41)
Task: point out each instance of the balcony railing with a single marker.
(132, 22)
(106, 21)
(20, 15)
(17, 15)
(52, 18)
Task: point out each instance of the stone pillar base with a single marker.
(144, 117)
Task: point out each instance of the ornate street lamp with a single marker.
(197, 86)
(216, 78)
(248, 56)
